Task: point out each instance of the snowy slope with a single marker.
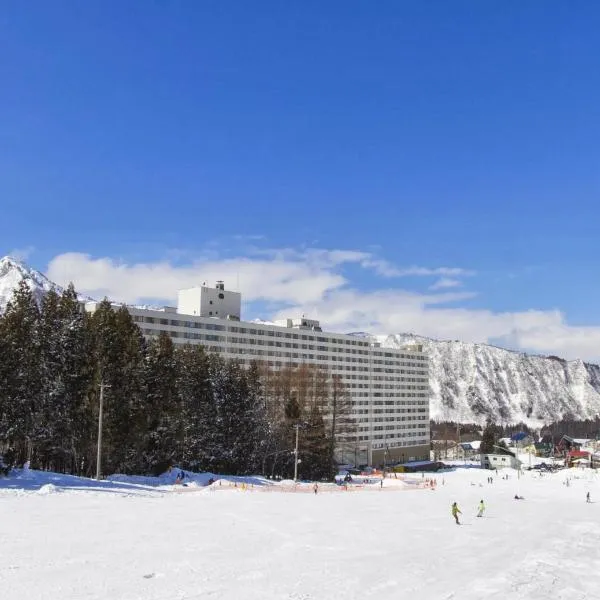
(260, 543)
(472, 381)
(12, 272)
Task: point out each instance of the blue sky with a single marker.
(201, 135)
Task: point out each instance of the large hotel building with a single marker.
(389, 388)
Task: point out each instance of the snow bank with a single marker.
(173, 477)
(48, 488)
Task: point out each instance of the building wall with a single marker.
(389, 388)
(209, 302)
(499, 461)
(401, 454)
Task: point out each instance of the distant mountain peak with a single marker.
(13, 271)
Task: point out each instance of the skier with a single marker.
(587, 497)
(316, 488)
(481, 509)
(455, 512)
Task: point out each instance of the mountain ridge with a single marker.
(471, 382)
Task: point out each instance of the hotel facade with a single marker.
(389, 388)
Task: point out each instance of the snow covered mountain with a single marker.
(470, 382)
(12, 272)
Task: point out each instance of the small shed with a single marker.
(500, 459)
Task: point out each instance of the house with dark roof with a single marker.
(501, 458)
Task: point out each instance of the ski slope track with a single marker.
(64, 539)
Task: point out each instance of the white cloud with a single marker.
(276, 279)
(445, 283)
(397, 311)
(386, 269)
(312, 281)
(279, 275)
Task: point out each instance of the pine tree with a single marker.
(488, 439)
(75, 380)
(315, 449)
(162, 407)
(67, 372)
(53, 411)
(256, 418)
(120, 353)
(239, 417)
(20, 377)
(198, 411)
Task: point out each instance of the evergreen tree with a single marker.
(162, 407)
(73, 383)
(119, 352)
(51, 411)
(198, 411)
(20, 377)
(315, 447)
(256, 418)
(239, 419)
(488, 439)
(67, 370)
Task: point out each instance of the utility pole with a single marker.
(100, 415)
(297, 427)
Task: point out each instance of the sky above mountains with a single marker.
(425, 167)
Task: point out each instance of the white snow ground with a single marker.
(65, 538)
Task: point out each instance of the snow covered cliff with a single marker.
(470, 382)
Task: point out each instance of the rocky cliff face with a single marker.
(470, 382)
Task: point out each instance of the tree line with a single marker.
(163, 404)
